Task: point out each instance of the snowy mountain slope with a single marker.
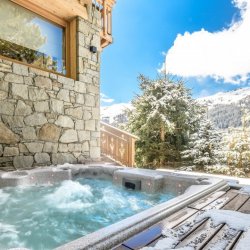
(226, 109)
(226, 98)
(108, 113)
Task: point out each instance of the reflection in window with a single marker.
(26, 37)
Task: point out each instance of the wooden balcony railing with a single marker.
(118, 145)
(105, 6)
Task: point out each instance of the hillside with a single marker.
(225, 109)
(114, 113)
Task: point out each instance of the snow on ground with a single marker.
(245, 190)
(65, 165)
(171, 237)
(235, 220)
(244, 242)
(241, 181)
(168, 243)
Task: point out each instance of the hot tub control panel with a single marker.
(131, 184)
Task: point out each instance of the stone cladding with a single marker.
(46, 118)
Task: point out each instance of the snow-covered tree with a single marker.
(162, 116)
(238, 154)
(204, 146)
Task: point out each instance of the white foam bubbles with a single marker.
(3, 197)
(70, 195)
(9, 234)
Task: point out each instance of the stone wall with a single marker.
(47, 118)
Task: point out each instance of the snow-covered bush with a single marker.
(204, 145)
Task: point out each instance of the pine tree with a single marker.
(238, 154)
(204, 146)
(162, 116)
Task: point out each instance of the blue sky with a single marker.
(145, 31)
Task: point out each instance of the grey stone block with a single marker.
(34, 147)
(29, 133)
(13, 121)
(42, 158)
(80, 87)
(83, 135)
(35, 119)
(20, 69)
(22, 108)
(63, 95)
(68, 136)
(11, 151)
(89, 100)
(7, 108)
(90, 125)
(57, 106)
(62, 158)
(75, 112)
(13, 78)
(43, 82)
(50, 147)
(3, 95)
(42, 106)
(23, 162)
(65, 122)
(36, 94)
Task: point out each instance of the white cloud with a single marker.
(223, 55)
(106, 99)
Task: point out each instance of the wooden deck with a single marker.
(200, 235)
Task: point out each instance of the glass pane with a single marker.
(27, 37)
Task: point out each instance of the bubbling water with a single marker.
(70, 196)
(44, 217)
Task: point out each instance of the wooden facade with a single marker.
(106, 10)
(64, 11)
(38, 98)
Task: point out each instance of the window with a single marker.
(29, 38)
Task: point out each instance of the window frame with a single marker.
(70, 47)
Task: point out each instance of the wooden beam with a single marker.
(71, 55)
(111, 3)
(64, 9)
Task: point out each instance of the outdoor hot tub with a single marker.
(90, 206)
